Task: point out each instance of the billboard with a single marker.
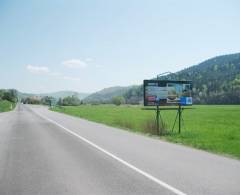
(166, 93)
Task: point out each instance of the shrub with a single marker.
(118, 100)
(150, 126)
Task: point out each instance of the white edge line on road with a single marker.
(163, 184)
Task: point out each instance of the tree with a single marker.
(10, 95)
(60, 102)
(46, 100)
(118, 100)
(31, 100)
(71, 101)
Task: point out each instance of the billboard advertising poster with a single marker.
(166, 93)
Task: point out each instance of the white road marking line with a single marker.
(156, 180)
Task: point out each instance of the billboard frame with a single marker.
(179, 108)
(145, 82)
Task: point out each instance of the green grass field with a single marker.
(212, 128)
(6, 106)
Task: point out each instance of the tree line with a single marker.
(51, 101)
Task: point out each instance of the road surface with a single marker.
(43, 152)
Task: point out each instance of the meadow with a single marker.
(6, 106)
(214, 128)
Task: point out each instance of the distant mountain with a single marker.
(215, 81)
(105, 95)
(57, 95)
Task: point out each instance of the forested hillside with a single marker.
(215, 81)
(106, 95)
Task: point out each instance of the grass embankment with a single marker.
(6, 106)
(212, 128)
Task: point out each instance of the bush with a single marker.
(150, 126)
(69, 101)
(9, 95)
(118, 100)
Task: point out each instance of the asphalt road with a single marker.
(43, 152)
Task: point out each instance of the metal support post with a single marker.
(179, 118)
(157, 119)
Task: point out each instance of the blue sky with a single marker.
(52, 45)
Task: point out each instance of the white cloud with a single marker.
(46, 71)
(71, 78)
(55, 74)
(74, 63)
(37, 69)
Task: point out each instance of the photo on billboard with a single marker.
(165, 93)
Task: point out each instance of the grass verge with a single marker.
(212, 128)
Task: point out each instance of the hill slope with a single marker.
(105, 95)
(215, 81)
